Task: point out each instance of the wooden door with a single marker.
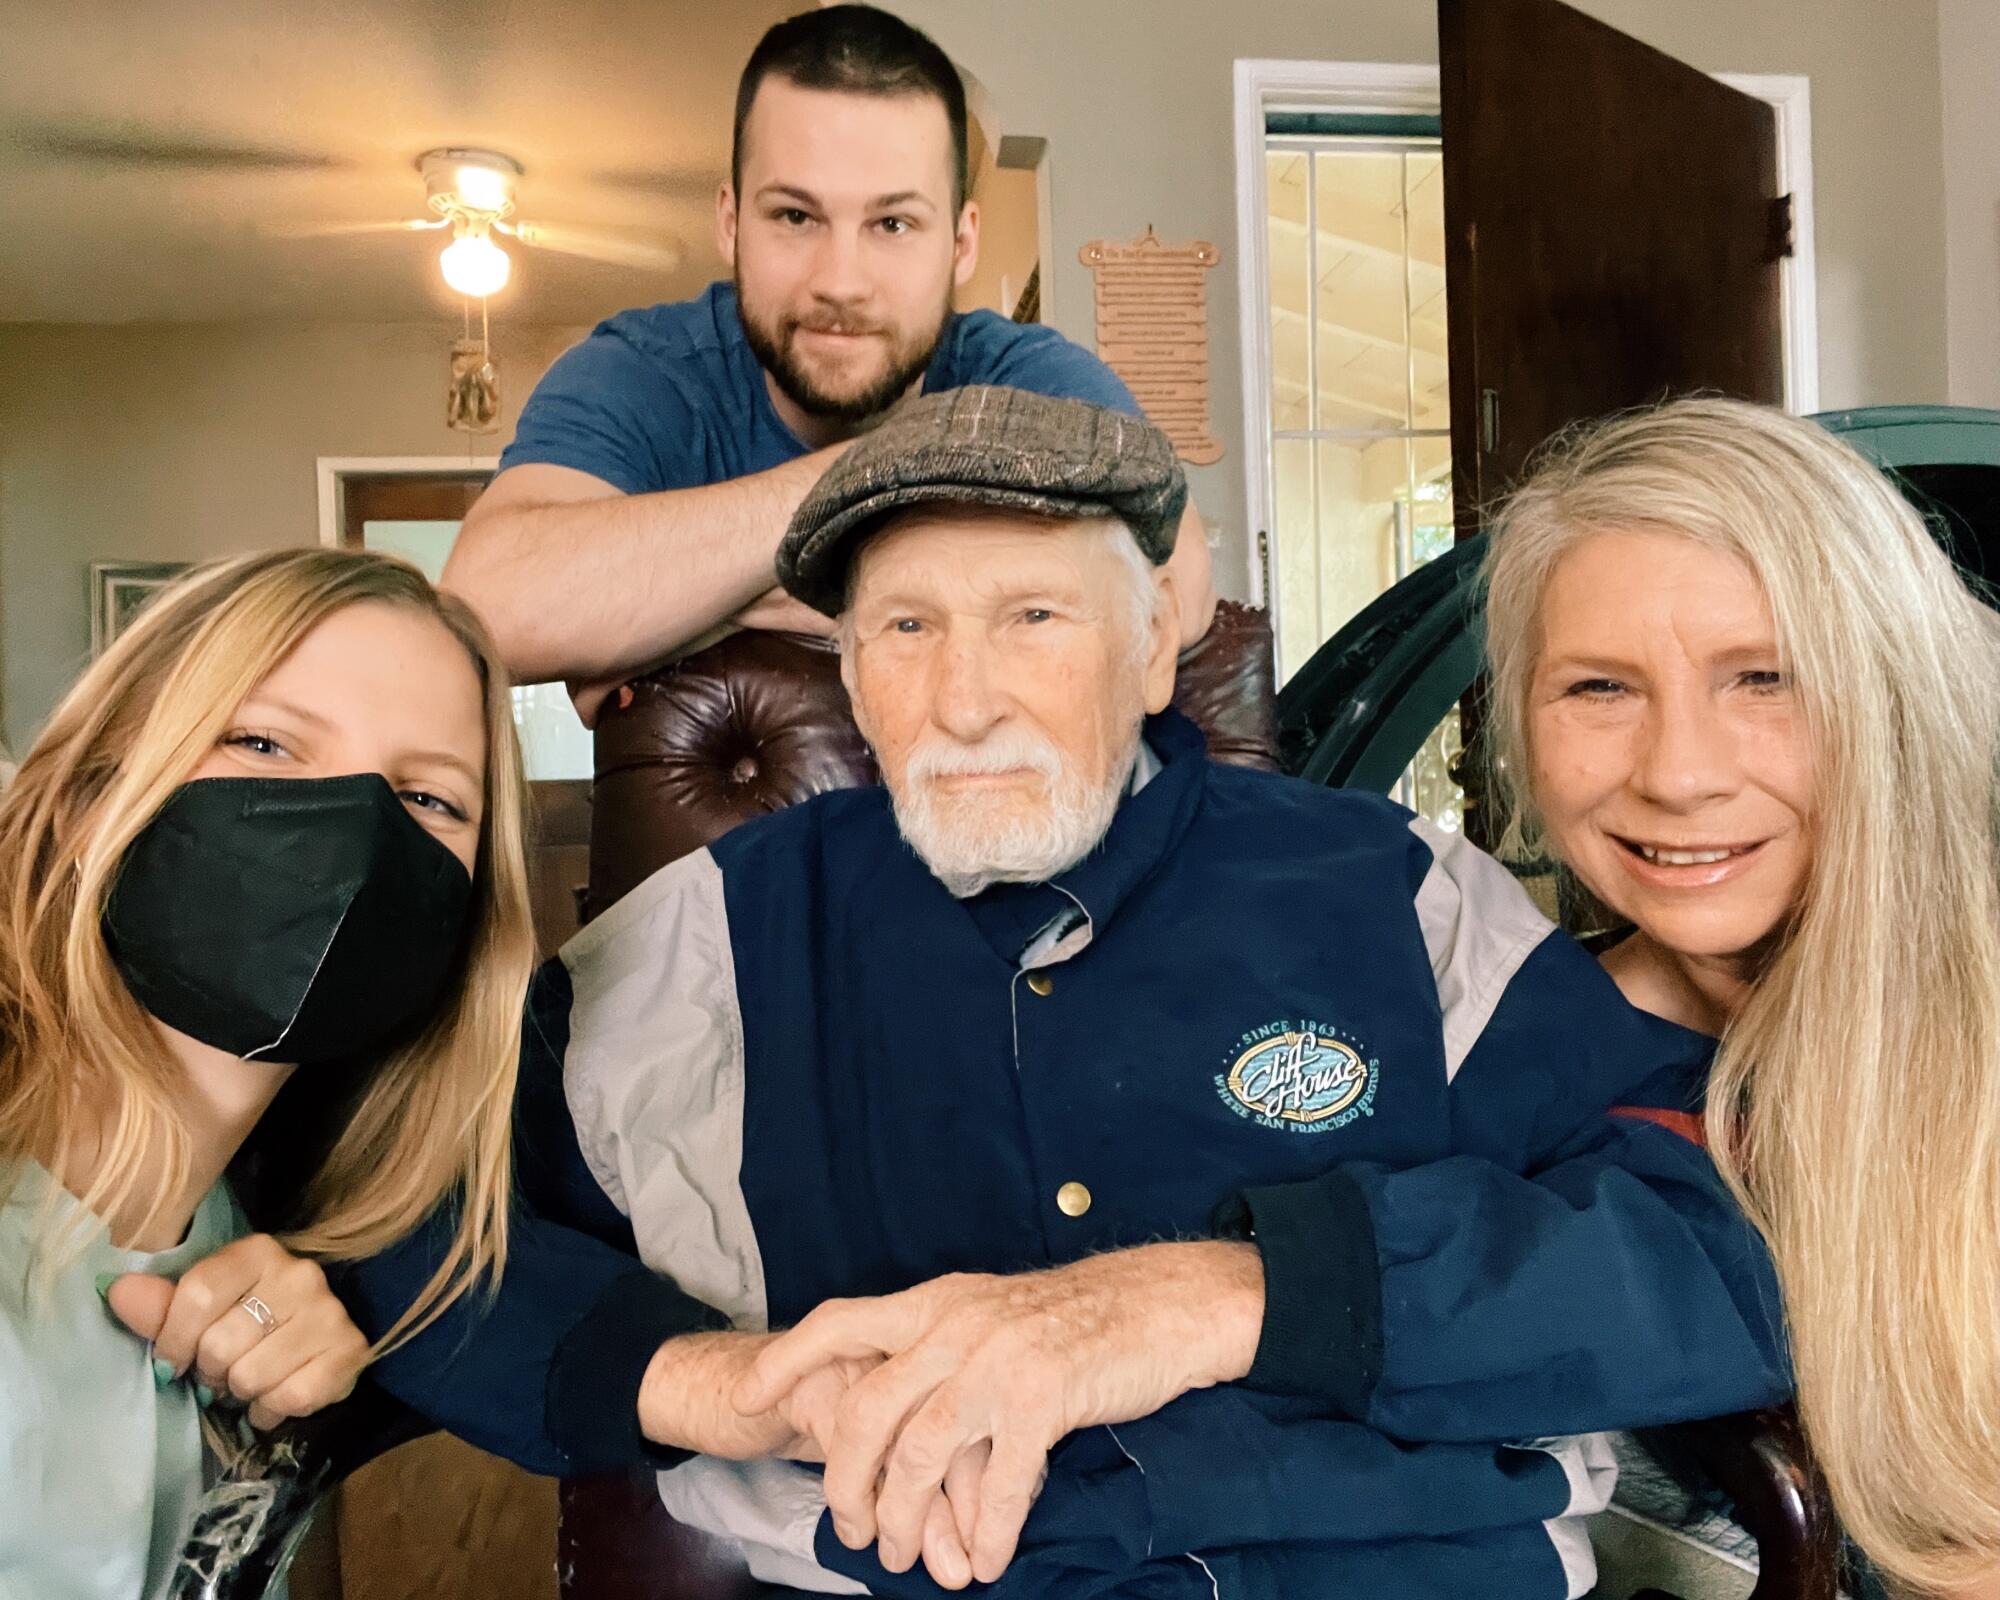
(406, 497)
(1612, 233)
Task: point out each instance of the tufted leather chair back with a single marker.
(761, 721)
(751, 724)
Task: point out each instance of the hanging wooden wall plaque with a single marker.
(1152, 330)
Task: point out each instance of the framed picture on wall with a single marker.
(118, 589)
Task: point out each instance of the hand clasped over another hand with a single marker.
(310, 1356)
(973, 1378)
(813, 1408)
(686, 1401)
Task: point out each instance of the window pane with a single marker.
(554, 741)
(1364, 357)
(1428, 786)
(1430, 790)
(1352, 518)
(1296, 551)
(1285, 178)
(1424, 205)
(1360, 487)
(1346, 529)
(1431, 529)
(1356, 236)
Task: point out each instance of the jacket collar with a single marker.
(1040, 924)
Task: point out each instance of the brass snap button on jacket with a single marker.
(1072, 1199)
(1042, 983)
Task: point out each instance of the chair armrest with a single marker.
(1757, 1460)
(615, 1541)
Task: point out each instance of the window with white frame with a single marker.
(1360, 420)
(1360, 426)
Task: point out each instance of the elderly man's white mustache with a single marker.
(1004, 750)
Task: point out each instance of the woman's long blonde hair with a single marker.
(78, 1057)
(1855, 1102)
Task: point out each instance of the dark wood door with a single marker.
(1612, 233)
(406, 497)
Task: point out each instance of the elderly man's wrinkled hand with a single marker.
(1010, 1365)
(811, 1407)
(811, 1410)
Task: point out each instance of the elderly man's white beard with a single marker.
(971, 840)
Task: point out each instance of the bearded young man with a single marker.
(656, 464)
(1249, 1158)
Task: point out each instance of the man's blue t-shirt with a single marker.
(671, 397)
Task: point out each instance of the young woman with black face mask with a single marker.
(272, 838)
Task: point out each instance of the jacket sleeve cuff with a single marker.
(1322, 1332)
(593, 1388)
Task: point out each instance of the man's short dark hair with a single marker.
(855, 50)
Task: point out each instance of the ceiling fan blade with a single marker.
(338, 230)
(655, 255)
(142, 147)
(671, 183)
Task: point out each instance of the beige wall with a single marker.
(1135, 101)
(176, 443)
(1969, 46)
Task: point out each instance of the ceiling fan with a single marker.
(473, 193)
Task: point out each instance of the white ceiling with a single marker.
(147, 146)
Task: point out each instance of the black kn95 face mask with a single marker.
(299, 920)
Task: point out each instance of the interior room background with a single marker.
(159, 403)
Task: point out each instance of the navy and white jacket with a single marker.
(792, 1067)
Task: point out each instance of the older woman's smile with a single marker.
(1697, 866)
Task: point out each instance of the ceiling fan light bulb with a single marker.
(475, 266)
(483, 189)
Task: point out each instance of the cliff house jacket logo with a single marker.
(1299, 1076)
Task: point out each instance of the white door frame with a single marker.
(333, 472)
(1388, 88)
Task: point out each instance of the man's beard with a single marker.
(969, 845)
(909, 353)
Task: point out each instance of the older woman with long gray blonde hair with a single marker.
(271, 840)
(1741, 694)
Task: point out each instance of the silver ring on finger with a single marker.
(259, 1313)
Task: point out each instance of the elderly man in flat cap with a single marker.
(1177, 1180)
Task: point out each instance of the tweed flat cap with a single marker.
(991, 447)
